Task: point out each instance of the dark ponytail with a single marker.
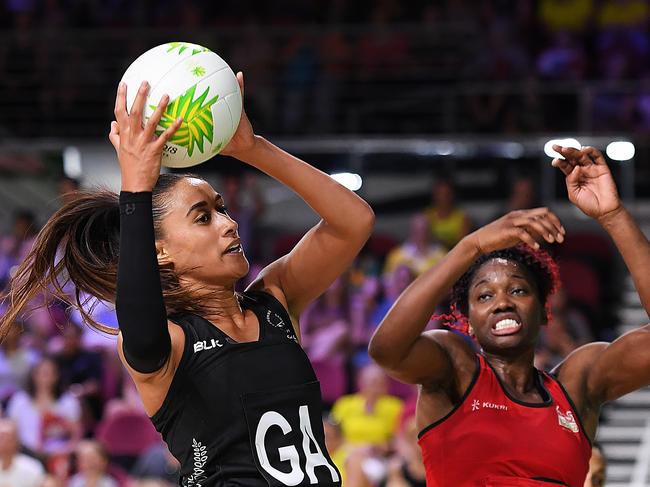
(79, 244)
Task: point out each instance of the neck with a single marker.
(517, 371)
(443, 210)
(92, 478)
(43, 395)
(371, 399)
(224, 306)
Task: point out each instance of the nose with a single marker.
(230, 226)
(502, 303)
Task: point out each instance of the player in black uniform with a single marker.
(222, 375)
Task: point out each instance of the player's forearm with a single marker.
(634, 247)
(410, 314)
(139, 300)
(340, 208)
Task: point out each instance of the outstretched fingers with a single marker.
(121, 114)
(154, 120)
(167, 134)
(135, 116)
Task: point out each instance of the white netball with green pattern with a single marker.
(202, 89)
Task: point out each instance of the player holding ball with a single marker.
(221, 374)
(491, 418)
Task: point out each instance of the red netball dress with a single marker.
(493, 440)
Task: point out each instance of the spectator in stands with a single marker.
(448, 223)
(14, 247)
(67, 189)
(246, 206)
(81, 372)
(406, 468)
(92, 464)
(325, 325)
(254, 54)
(157, 463)
(642, 105)
(151, 483)
(419, 252)
(370, 305)
(597, 467)
(613, 107)
(371, 416)
(52, 481)
(300, 64)
(523, 195)
(336, 445)
(563, 58)
(15, 363)
(501, 61)
(622, 25)
(16, 469)
(48, 418)
(382, 52)
(349, 460)
(335, 55)
(572, 15)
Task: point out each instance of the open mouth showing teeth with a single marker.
(506, 327)
(234, 249)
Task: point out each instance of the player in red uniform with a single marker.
(492, 418)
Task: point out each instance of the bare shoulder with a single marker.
(438, 399)
(456, 345)
(574, 369)
(460, 355)
(574, 374)
(266, 284)
(153, 387)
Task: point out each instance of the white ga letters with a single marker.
(290, 453)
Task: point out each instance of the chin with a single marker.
(507, 345)
(241, 270)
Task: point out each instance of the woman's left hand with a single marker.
(589, 181)
(244, 138)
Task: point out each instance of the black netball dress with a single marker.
(249, 413)
(236, 414)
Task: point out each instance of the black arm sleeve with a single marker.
(139, 300)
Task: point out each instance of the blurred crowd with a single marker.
(339, 66)
(71, 416)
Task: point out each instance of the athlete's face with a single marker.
(199, 239)
(505, 311)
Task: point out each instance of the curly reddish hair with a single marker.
(539, 263)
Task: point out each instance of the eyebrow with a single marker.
(202, 204)
(516, 276)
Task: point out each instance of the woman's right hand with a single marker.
(527, 226)
(138, 149)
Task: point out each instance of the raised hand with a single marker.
(244, 137)
(138, 149)
(527, 226)
(589, 181)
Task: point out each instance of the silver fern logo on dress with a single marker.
(276, 321)
(199, 457)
